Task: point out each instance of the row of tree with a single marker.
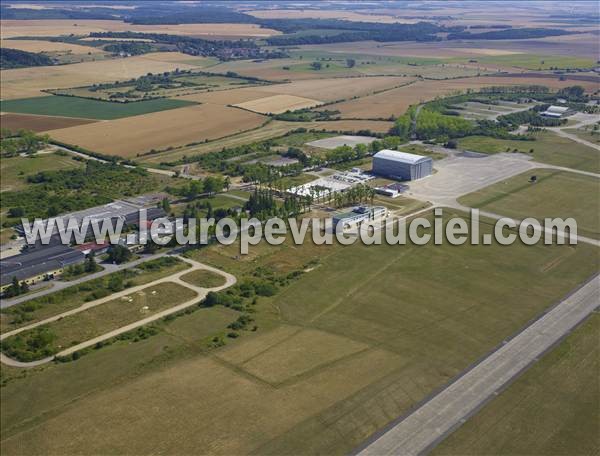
(24, 142)
(16, 288)
(207, 186)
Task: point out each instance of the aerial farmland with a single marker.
(444, 312)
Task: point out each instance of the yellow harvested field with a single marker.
(395, 102)
(219, 396)
(13, 27)
(28, 82)
(328, 14)
(47, 46)
(56, 27)
(131, 136)
(271, 130)
(234, 30)
(226, 97)
(332, 89)
(276, 104)
(583, 44)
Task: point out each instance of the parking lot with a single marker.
(461, 174)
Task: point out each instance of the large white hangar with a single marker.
(401, 165)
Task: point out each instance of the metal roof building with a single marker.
(401, 165)
(38, 262)
(359, 215)
(557, 111)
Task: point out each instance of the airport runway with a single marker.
(421, 430)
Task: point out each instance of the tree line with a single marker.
(24, 142)
(14, 58)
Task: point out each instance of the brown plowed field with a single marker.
(15, 122)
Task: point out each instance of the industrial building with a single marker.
(43, 262)
(358, 216)
(392, 190)
(557, 112)
(38, 264)
(401, 165)
(109, 213)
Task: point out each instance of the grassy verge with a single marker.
(203, 278)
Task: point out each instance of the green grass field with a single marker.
(223, 201)
(69, 298)
(586, 133)
(90, 323)
(547, 148)
(204, 279)
(551, 409)
(294, 181)
(421, 149)
(537, 62)
(556, 194)
(352, 344)
(362, 59)
(14, 171)
(89, 109)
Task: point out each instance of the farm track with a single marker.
(174, 278)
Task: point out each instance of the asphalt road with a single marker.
(426, 426)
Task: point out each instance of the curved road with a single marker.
(176, 278)
(583, 120)
(59, 285)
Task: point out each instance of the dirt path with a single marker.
(176, 278)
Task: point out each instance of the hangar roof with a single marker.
(558, 109)
(403, 157)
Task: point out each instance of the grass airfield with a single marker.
(364, 333)
(517, 197)
(352, 347)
